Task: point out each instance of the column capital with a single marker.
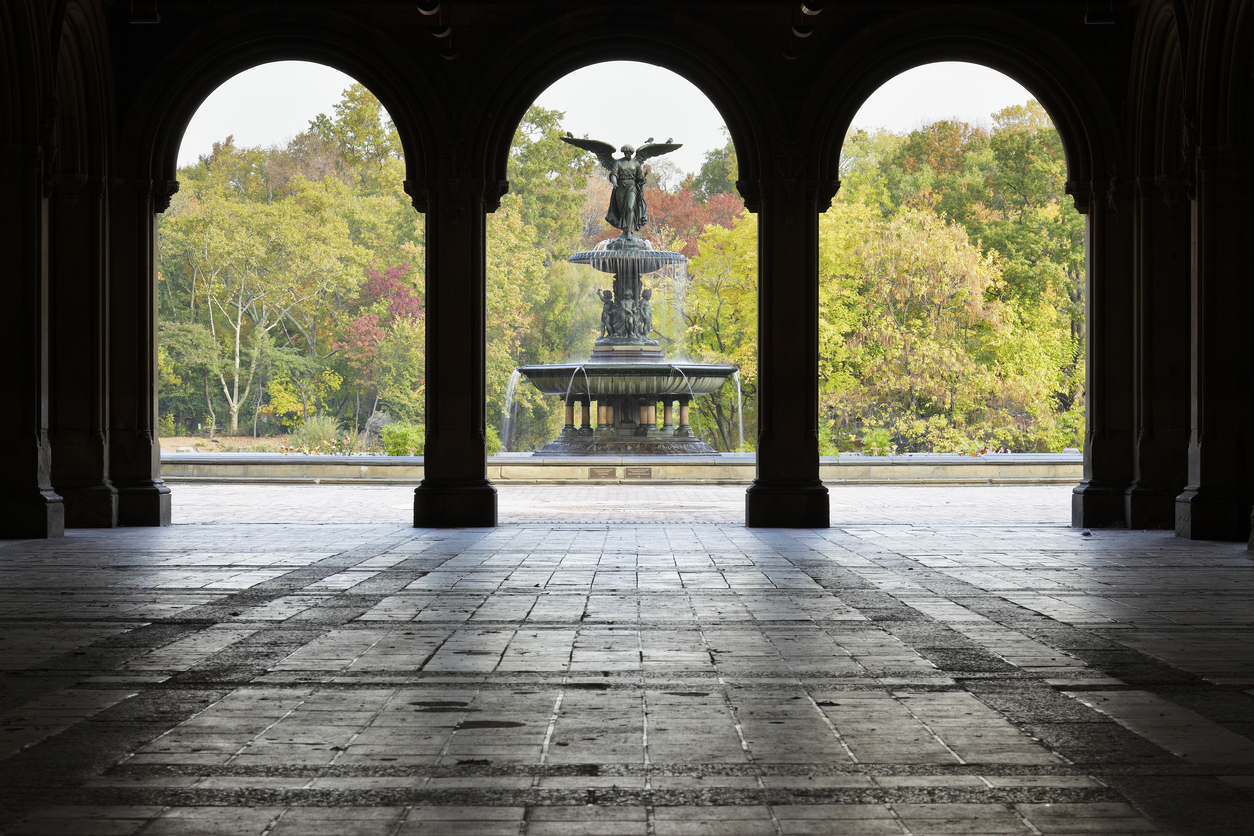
(451, 190)
(68, 188)
(811, 189)
(1171, 187)
(162, 191)
(1230, 164)
(1081, 192)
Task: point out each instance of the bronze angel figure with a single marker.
(628, 210)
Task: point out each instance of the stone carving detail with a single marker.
(1081, 192)
(751, 191)
(627, 318)
(68, 188)
(790, 160)
(447, 197)
(162, 191)
(1189, 139)
(1119, 191)
(454, 160)
(48, 139)
(418, 194)
(1171, 187)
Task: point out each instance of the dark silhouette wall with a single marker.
(1155, 109)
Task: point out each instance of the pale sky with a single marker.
(269, 104)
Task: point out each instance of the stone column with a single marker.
(455, 491)
(1215, 505)
(79, 370)
(570, 416)
(1160, 352)
(134, 451)
(586, 417)
(28, 505)
(668, 414)
(1098, 501)
(787, 491)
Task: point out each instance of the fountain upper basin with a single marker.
(634, 261)
(597, 379)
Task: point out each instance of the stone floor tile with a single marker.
(857, 827)
(903, 667)
(587, 828)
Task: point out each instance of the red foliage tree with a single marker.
(393, 286)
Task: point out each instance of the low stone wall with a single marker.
(730, 468)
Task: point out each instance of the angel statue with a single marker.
(627, 211)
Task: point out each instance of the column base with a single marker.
(1148, 506)
(1098, 505)
(1212, 514)
(89, 506)
(36, 514)
(145, 504)
(441, 505)
(800, 506)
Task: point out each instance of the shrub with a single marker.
(401, 439)
(877, 442)
(320, 432)
(166, 427)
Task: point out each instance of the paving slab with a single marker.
(298, 660)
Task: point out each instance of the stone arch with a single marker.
(1219, 84)
(703, 58)
(154, 123)
(24, 72)
(1157, 87)
(84, 118)
(1037, 59)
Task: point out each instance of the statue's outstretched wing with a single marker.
(603, 150)
(656, 149)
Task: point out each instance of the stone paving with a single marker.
(916, 672)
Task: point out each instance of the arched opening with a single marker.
(952, 275)
(290, 284)
(544, 310)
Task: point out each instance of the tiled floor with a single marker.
(914, 670)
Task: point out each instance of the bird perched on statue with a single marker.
(669, 140)
(650, 139)
(568, 133)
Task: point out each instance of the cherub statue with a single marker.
(607, 312)
(627, 312)
(628, 210)
(644, 312)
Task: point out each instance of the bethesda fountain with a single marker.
(627, 376)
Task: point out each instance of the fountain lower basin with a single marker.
(640, 379)
(627, 396)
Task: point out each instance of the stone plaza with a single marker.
(297, 660)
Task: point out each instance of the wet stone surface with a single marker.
(910, 677)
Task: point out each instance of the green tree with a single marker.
(718, 174)
(549, 177)
(720, 310)
(515, 268)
